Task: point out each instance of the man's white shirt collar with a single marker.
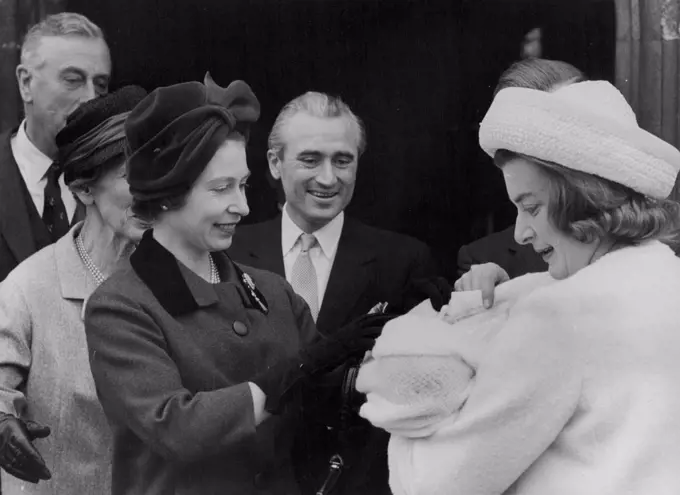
(327, 236)
(25, 152)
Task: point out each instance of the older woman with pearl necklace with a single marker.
(54, 437)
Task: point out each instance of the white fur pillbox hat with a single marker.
(586, 126)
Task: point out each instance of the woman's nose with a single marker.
(523, 233)
(240, 205)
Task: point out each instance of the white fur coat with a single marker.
(578, 392)
(423, 364)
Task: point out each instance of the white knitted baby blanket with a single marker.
(423, 365)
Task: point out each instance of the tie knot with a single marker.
(52, 174)
(307, 242)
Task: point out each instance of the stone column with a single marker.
(648, 65)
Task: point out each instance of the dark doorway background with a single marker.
(420, 73)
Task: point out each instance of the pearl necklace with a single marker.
(214, 272)
(89, 264)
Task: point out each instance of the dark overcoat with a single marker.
(171, 356)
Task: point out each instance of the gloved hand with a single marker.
(436, 289)
(283, 381)
(18, 456)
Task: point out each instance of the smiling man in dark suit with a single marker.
(314, 150)
(65, 61)
(340, 266)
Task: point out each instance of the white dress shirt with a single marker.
(33, 165)
(322, 254)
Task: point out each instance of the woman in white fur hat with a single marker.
(576, 391)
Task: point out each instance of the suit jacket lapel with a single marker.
(14, 219)
(348, 279)
(265, 247)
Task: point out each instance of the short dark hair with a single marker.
(148, 210)
(539, 74)
(588, 207)
(90, 177)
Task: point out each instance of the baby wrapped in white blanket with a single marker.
(423, 365)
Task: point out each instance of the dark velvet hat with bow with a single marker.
(175, 131)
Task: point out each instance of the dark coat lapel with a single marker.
(263, 246)
(350, 275)
(14, 219)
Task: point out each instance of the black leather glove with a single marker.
(436, 289)
(18, 456)
(283, 381)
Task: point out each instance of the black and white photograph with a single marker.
(339, 247)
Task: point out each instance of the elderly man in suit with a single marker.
(65, 61)
(340, 266)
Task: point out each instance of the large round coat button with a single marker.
(240, 328)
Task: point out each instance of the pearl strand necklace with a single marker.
(87, 261)
(214, 272)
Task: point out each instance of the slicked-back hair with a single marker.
(317, 105)
(61, 25)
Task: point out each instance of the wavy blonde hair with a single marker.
(588, 207)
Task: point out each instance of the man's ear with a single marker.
(274, 164)
(24, 78)
(84, 194)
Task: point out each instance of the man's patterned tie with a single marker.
(54, 211)
(303, 278)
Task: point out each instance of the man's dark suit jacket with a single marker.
(501, 248)
(22, 231)
(370, 266)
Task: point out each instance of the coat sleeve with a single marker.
(492, 248)
(140, 386)
(465, 260)
(15, 348)
(526, 389)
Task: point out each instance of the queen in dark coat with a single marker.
(198, 361)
